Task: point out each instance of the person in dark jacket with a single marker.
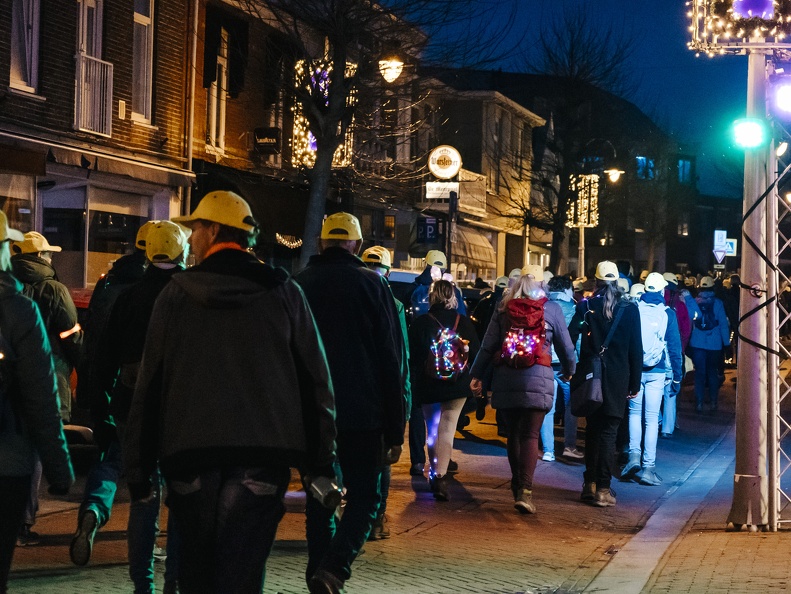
(675, 301)
(32, 264)
(30, 426)
(622, 371)
(710, 335)
(356, 315)
(442, 399)
(232, 392)
(116, 363)
(524, 393)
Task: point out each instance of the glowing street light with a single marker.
(391, 67)
(749, 133)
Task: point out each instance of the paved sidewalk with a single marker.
(477, 542)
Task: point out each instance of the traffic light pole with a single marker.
(750, 484)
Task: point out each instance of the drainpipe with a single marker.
(187, 204)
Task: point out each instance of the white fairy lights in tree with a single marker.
(584, 210)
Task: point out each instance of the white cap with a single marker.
(706, 282)
(607, 271)
(655, 282)
(637, 290)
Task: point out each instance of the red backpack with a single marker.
(524, 343)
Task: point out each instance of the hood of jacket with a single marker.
(525, 313)
(560, 296)
(229, 279)
(31, 269)
(424, 278)
(335, 254)
(9, 285)
(129, 268)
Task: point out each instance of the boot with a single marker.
(650, 477)
(524, 502)
(439, 487)
(604, 498)
(632, 467)
(588, 491)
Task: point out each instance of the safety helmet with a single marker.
(142, 233)
(606, 270)
(623, 284)
(636, 290)
(7, 232)
(343, 226)
(34, 242)
(436, 258)
(670, 278)
(501, 281)
(706, 282)
(689, 281)
(534, 270)
(515, 273)
(643, 275)
(655, 282)
(165, 242)
(378, 255)
(223, 207)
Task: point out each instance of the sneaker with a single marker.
(453, 467)
(417, 469)
(588, 491)
(604, 498)
(160, 554)
(27, 537)
(548, 457)
(524, 502)
(632, 467)
(324, 582)
(573, 453)
(384, 529)
(82, 543)
(650, 477)
(666, 435)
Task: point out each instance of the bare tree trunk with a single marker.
(319, 182)
(558, 236)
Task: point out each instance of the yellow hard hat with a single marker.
(436, 258)
(343, 226)
(378, 255)
(607, 271)
(142, 233)
(34, 242)
(7, 232)
(223, 207)
(165, 242)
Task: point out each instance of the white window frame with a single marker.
(28, 14)
(144, 55)
(216, 99)
(85, 45)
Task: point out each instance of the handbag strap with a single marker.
(441, 325)
(617, 319)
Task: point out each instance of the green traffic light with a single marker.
(749, 133)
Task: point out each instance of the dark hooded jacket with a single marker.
(527, 387)
(233, 374)
(29, 421)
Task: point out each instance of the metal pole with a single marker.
(749, 504)
(453, 208)
(581, 254)
(773, 422)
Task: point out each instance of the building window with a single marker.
(683, 225)
(389, 227)
(143, 60)
(607, 238)
(217, 95)
(684, 171)
(24, 45)
(645, 168)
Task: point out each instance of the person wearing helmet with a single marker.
(233, 390)
(358, 321)
(636, 291)
(31, 428)
(662, 360)
(622, 372)
(32, 265)
(379, 260)
(117, 361)
(710, 335)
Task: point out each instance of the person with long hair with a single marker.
(442, 398)
(518, 338)
(622, 367)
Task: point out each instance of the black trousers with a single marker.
(14, 491)
(600, 434)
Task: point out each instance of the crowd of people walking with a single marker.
(211, 383)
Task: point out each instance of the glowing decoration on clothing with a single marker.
(519, 343)
(448, 354)
(315, 79)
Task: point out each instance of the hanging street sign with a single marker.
(444, 162)
(720, 255)
(441, 190)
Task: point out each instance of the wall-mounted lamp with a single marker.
(391, 66)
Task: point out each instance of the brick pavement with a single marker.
(477, 542)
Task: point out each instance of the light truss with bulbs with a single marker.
(584, 210)
(734, 26)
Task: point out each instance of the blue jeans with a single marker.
(102, 483)
(668, 411)
(548, 426)
(645, 406)
(707, 374)
(334, 545)
(227, 520)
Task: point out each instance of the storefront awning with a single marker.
(473, 249)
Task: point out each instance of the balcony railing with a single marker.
(93, 95)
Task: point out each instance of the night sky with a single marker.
(694, 98)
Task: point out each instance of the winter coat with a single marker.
(426, 389)
(676, 302)
(423, 281)
(675, 357)
(568, 306)
(623, 360)
(55, 303)
(718, 337)
(356, 314)
(29, 421)
(483, 312)
(405, 375)
(233, 374)
(528, 387)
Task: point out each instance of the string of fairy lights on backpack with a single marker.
(446, 363)
(519, 344)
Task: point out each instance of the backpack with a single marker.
(653, 324)
(708, 319)
(448, 353)
(419, 301)
(523, 345)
